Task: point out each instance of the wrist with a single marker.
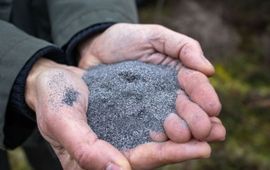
(30, 89)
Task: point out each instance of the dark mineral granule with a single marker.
(70, 96)
(128, 100)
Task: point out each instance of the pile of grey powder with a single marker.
(128, 100)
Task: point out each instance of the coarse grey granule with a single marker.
(128, 100)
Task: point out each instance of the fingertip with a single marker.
(215, 120)
(208, 99)
(222, 133)
(203, 148)
(192, 57)
(209, 69)
(213, 108)
(158, 136)
(203, 128)
(203, 66)
(197, 120)
(206, 153)
(176, 129)
(218, 132)
(123, 165)
(112, 166)
(99, 155)
(199, 89)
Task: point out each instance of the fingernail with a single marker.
(112, 166)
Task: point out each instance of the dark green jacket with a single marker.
(30, 29)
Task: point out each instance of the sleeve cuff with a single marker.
(71, 46)
(18, 114)
(17, 95)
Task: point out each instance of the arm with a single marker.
(74, 21)
(18, 52)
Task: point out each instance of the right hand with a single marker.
(197, 105)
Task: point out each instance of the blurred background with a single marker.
(235, 35)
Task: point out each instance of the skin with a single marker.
(78, 147)
(197, 102)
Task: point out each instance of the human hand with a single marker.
(198, 101)
(149, 43)
(59, 97)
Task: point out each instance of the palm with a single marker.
(61, 117)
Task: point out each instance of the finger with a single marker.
(180, 46)
(198, 121)
(215, 119)
(82, 144)
(158, 136)
(159, 58)
(176, 129)
(67, 162)
(153, 155)
(198, 88)
(155, 58)
(218, 131)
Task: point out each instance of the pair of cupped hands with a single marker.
(187, 132)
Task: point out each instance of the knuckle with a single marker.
(197, 43)
(161, 155)
(156, 32)
(158, 27)
(194, 42)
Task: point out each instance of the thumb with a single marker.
(77, 143)
(152, 155)
(64, 125)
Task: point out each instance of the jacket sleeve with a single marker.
(74, 20)
(18, 52)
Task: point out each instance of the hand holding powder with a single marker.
(128, 100)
